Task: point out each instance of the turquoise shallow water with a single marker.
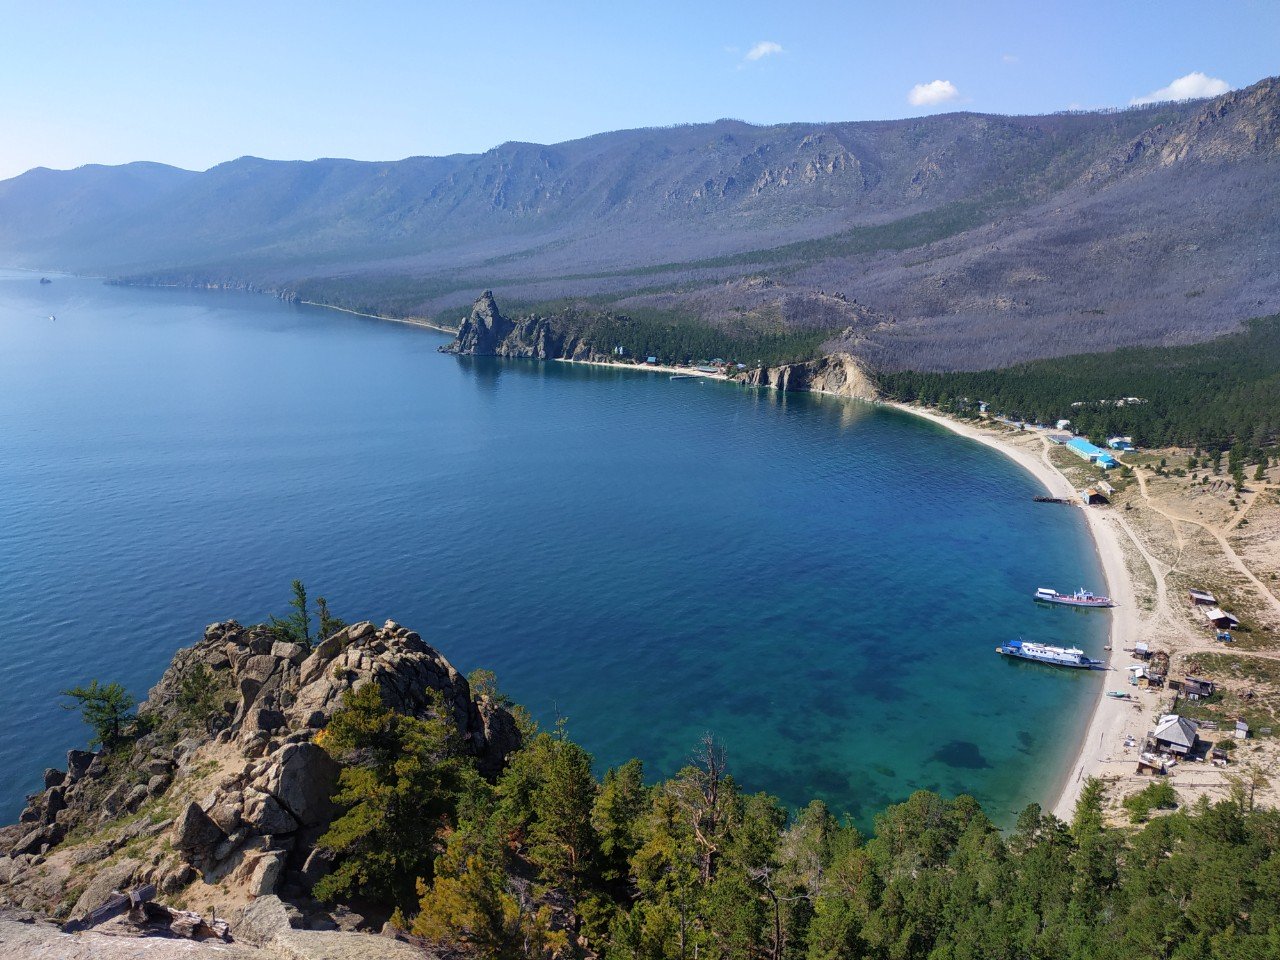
(820, 583)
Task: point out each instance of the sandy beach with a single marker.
(1111, 720)
(646, 368)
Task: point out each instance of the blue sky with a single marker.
(197, 83)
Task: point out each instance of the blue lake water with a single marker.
(820, 583)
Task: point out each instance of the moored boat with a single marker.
(1047, 653)
(1081, 598)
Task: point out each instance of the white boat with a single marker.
(1047, 653)
(1081, 598)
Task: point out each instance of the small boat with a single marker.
(1047, 653)
(1081, 598)
(681, 376)
(1119, 695)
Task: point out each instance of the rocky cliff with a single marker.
(487, 333)
(839, 374)
(223, 798)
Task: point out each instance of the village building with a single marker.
(1202, 597)
(1120, 443)
(1221, 619)
(1194, 688)
(1176, 735)
(1085, 450)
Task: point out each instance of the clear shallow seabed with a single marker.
(821, 583)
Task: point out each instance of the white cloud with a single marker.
(934, 92)
(764, 48)
(1191, 87)
(1010, 58)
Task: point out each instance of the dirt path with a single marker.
(1236, 563)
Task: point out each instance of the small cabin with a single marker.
(651, 360)
(1120, 443)
(1194, 688)
(1221, 619)
(1063, 424)
(1242, 729)
(1176, 735)
(1202, 598)
(1093, 496)
(1142, 650)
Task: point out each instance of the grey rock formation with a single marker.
(252, 823)
(839, 374)
(482, 334)
(487, 333)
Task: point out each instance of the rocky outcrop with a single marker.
(839, 374)
(487, 333)
(231, 786)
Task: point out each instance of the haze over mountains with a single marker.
(954, 241)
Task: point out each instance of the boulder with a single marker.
(53, 777)
(226, 810)
(78, 762)
(264, 814)
(292, 652)
(266, 873)
(302, 778)
(195, 832)
(262, 921)
(117, 876)
(264, 720)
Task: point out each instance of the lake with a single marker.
(820, 583)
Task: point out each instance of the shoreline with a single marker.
(1104, 730)
(411, 321)
(645, 368)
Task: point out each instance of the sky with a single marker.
(197, 83)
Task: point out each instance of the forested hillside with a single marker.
(1217, 395)
(548, 860)
(980, 240)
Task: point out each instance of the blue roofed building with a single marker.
(1085, 450)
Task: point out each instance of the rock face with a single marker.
(237, 796)
(487, 333)
(838, 374)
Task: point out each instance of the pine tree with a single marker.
(107, 708)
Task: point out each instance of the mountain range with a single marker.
(958, 241)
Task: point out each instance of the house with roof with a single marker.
(1176, 735)
(1120, 443)
(1202, 598)
(1220, 618)
(1194, 688)
(1085, 450)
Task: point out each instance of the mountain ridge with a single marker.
(986, 237)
